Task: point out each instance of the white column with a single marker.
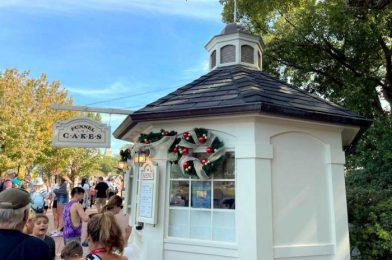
(254, 201)
(149, 240)
(338, 204)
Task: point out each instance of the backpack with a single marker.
(38, 202)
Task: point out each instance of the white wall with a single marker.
(290, 194)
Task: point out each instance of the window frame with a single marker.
(189, 209)
(222, 54)
(249, 47)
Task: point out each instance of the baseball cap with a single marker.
(14, 199)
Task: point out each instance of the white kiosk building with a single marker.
(278, 189)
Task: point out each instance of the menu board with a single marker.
(146, 200)
(148, 193)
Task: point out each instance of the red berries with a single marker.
(210, 149)
(185, 150)
(202, 139)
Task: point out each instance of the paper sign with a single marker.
(148, 193)
(146, 200)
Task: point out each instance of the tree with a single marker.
(340, 50)
(108, 164)
(26, 118)
(26, 123)
(369, 192)
(341, 53)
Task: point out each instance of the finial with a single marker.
(235, 11)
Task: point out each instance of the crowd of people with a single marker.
(24, 222)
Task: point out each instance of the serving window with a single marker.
(203, 209)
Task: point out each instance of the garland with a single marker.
(182, 147)
(125, 155)
(154, 137)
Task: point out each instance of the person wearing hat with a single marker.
(14, 213)
(39, 196)
(13, 176)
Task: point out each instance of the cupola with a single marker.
(235, 45)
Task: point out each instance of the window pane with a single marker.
(223, 226)
(178, 223)
(175, 172)
(227, 169)
(179, 193)
(201, 194)
(224, 194)
(201, 224)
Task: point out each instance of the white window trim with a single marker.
(192, 241)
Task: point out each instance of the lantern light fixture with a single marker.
(141, 157)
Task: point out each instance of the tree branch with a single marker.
(387, 88)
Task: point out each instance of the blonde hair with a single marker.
(104, 229)
(37, 216)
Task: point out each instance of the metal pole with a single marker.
(235, 11)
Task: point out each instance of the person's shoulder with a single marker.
(49, 239)
(35, 243)
(38, 247)
(76, 205)
(34, 240)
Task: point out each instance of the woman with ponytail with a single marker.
(115, 206)
(104, 238)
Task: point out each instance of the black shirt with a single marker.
(101, 188)
(15, 245)
(52, 245)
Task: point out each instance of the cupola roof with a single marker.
(236, 85)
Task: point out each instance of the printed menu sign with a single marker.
(148, 193)
(146, 200)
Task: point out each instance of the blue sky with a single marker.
(107, 49)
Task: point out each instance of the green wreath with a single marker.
(184, 144)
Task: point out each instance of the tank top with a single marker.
(69, 229)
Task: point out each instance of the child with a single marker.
(72, 251)
(39, 230)
(38, 196)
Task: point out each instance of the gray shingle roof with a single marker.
(240, 89)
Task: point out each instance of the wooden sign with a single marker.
(81, 132)
(148, 193)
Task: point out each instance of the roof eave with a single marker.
(132, 120)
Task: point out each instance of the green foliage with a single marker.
(212, 167)
(154, 137)
(341, 53)
(26, 123)
(371, 164)
(217, 143)
(107, 164)
(369, 191)
(340, 50)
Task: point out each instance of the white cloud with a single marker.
(200, 9)
(110, 91)
(195, 70)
